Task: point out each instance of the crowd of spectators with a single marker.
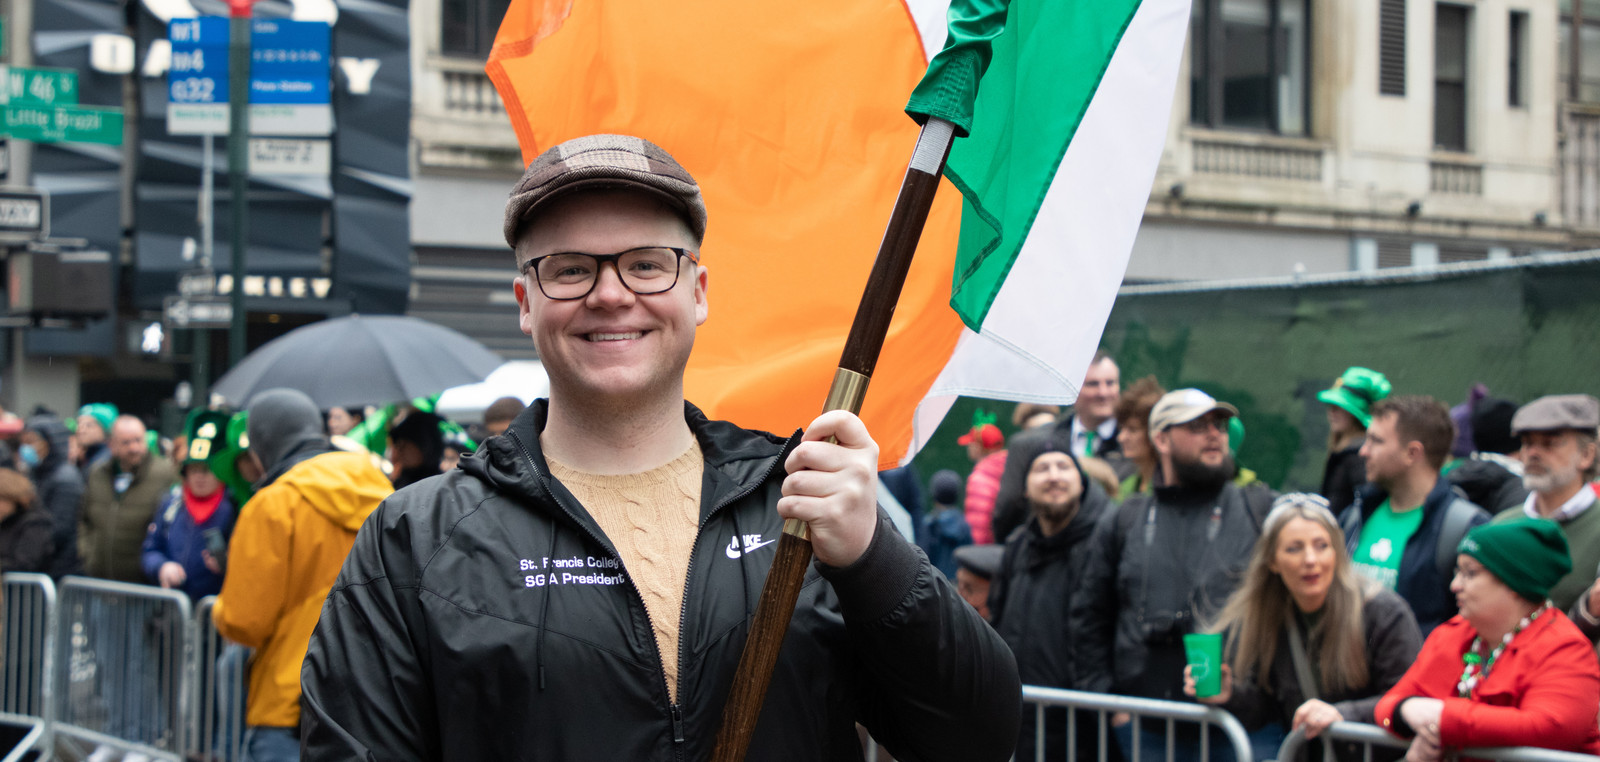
(258, 507)
(1442, 584)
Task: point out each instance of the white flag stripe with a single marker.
(1046, 322)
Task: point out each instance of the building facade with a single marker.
(1307, 136)
(1313, 136)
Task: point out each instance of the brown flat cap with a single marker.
(1558, 411)
(597, 162)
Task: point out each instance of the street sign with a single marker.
(289, 77)
(188, 312)
(42, 105)
(63, 124)
(281, 156)
(197, 82)
(28, 86)
(24, 215)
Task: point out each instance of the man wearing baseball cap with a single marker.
(1166, 562)
(1559, 460)
(582, 587)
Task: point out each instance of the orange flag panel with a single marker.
(790, 117)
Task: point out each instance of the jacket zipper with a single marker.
(674, 713)
(688, 576)
(673, 710)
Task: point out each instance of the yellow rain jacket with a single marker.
(287, 549)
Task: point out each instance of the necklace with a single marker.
(1471, 675)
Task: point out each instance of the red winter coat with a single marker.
(1544, 690)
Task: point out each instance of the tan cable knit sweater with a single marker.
(652, 518)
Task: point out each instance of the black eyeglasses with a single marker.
(571, 275)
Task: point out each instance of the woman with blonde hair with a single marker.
(1311, 643)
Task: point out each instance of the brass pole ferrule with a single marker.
(848, 391)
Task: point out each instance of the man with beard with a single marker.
(1404, 526)
(1040, 573)
(1091, 425)
(1163, 564)
(1559, 460)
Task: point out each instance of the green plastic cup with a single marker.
(1204, 653)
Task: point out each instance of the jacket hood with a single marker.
(344, 487)
(283, 422)
(1477, 476)
(514, 463)
(55, 434)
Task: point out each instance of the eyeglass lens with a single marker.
(643, 271)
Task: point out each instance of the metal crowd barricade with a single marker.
(27, 610)
(1371, 737)
(1104, 705)
(217, 675)
(123, 651)
(1368, 736)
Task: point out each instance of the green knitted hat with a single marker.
(104, 413)
(1529, 555)
(1356, 391)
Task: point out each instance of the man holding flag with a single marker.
(582, 587)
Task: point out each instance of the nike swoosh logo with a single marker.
(734, 552)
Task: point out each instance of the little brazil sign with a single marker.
(42, 105)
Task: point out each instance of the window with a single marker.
(467, 27)
(1585, 54)
(1392, 47)
(1249, 63)
(1450, 77)
(1516, 59)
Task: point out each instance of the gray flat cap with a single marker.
(597, 162)
(982, 560)
(1558, 411)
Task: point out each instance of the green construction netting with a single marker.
(1523, 331)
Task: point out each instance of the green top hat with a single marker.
(1356, 391)
(226, 452)
(204, 431)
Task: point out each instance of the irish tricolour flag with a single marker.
(792, 117)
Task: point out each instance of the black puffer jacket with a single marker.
(58, 487)
(25, 544)
(444, 639)
(1029, 602)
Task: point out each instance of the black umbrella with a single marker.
(360, 360)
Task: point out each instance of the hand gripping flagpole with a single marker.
(856, 364)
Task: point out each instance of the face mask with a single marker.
(29, 455)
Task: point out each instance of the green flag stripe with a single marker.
(1045, 70)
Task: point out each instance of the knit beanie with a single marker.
(104, 413)
(1491, 426)
(1037, 442)
(946, 487)
(1529, 555)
